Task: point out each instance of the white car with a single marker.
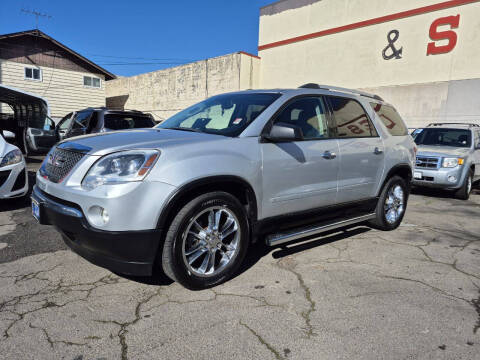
(13, 172)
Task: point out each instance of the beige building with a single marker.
(421, 55)
(34, 62)
(165, 92)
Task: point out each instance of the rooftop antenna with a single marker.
(37, 15)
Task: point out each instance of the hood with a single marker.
(442, 151)
(105, 143)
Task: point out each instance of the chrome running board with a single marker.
(295, 234)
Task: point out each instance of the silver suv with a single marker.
(191, 194)
(448, 157)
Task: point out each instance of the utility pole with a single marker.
(37, 15)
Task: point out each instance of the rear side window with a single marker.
(351, 119)
(391, 119)
(121, 122)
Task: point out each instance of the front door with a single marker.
(80, 123)
(301, 175)
(362, 157)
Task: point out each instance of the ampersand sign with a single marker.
(392, 37)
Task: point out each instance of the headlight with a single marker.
(452, 162)
(13, 157)
(121, 167)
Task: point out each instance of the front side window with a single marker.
(90, 81)
(391, 119)
(65, 122)
(309, 115)
(227, 114)
(351, 119)
(81, 119)
(443, 137)
(33, 74)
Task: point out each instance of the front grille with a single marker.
(60, 162)
(427, 162)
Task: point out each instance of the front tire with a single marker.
(206, 242)
(464, 192)
(391, 205)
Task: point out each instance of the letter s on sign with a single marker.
(450, 35)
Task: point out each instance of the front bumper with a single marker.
(126, 252)
(13, 181)
(439, 178)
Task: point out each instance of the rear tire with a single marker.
(206, 241)
(391, 205)
(464, 192)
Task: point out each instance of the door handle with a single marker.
(378, 151)
(329, 155)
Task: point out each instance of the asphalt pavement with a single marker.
(413, 293)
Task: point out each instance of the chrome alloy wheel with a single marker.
(211, 241)
(394, 204)
(469, 185)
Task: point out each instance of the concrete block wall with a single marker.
(165, 92)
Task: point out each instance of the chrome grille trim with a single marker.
(59, 163)
(425, 162)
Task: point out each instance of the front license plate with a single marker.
(36, 210)
(417, 175)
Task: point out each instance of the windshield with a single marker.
(443, 137)
(121, 122)
(227, 114)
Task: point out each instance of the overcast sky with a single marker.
(162, 32)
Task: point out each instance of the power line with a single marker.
(139, 58)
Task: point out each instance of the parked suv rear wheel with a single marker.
(206, 242)
(391, 205)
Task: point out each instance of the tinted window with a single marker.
(81, 119)
(126, 121)
(351, 119)
(227, 114)
(309, 115)
(391, 119)
(443, 137)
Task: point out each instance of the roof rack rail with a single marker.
(454, 123)
(340, 89)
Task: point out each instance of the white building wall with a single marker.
(424, 87)
(63, 89)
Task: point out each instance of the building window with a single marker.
(33, 74)
(90, 81)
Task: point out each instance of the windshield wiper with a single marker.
(184, 129)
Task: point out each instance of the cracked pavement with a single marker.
(413, 293)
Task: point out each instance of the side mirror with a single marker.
(282, 132)
(8, 135)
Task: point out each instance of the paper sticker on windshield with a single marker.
(237, 121)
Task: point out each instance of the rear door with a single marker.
(361, 150)
(301, 175)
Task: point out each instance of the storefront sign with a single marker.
(450, 35)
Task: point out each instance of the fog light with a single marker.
(105, 216)
(98, 216)
(452, 179)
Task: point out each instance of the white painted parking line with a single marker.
(3, 246)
